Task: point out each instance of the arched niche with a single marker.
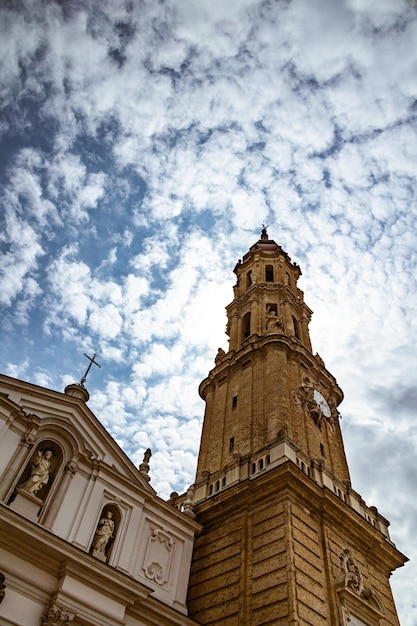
(248, 279)
(296, 328)
(40, 470)
(246, 325)
(105, 532)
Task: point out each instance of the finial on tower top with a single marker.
(264, 234)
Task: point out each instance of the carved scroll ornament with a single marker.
(353, 577)
(158, 556)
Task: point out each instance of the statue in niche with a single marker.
(273, 321)
(40, 471)
(104, 532)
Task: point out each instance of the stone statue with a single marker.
(334, 414)
(219, 356)
(40, 471)
(144, 466)
(273, 321)
(103, 533)
(188, 503)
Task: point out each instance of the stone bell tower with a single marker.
(286, 540)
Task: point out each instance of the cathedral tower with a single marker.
(285, 540)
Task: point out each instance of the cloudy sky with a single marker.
(143, 144)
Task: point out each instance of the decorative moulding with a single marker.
(158, 556)
(358, 605)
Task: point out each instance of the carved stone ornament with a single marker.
(353, 578)
(71, 468)
(28, 438)
(158, 556)
(188, 503)
(316, 405)
(57, 616)
(2, 587)
(358, 605)
(304, 396)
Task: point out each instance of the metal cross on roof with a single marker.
(92, 360)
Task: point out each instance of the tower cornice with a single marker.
(290, 345)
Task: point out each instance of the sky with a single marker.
(142, 146)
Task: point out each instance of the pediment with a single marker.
(39, 413)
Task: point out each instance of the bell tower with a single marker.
(286, 540)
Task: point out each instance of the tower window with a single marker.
(322, 450)
(296, 328)
(232, 444)
(234, 405)
(269, 273)
(246, 325)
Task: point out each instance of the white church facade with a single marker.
(84, 539)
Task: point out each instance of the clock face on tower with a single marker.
(322, 403)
